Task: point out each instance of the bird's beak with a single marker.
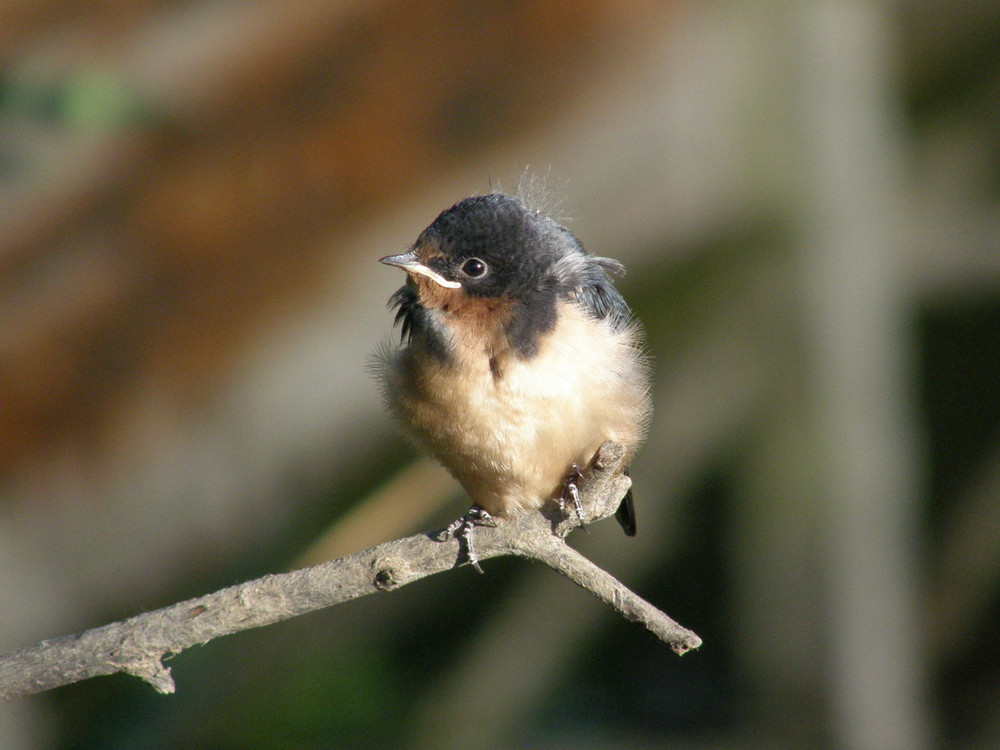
(410, 263)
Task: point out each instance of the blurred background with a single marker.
(193, 197)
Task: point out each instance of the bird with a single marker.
(518, 358)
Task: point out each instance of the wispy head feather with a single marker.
(540, 192)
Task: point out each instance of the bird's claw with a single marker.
(571, 494)
(462, 529)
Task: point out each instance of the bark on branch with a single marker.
(138, 645)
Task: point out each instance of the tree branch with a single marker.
(138, 645)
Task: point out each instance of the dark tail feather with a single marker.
(626, 512)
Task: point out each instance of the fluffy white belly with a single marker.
(510, 431)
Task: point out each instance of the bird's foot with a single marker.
(462, 529)
(571, 494)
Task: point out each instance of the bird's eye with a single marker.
(474, 268)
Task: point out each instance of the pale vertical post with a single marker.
(856, 318)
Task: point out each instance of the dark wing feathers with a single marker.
(587, 279)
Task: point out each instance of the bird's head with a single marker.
(484, 247)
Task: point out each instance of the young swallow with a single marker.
(518, 359)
